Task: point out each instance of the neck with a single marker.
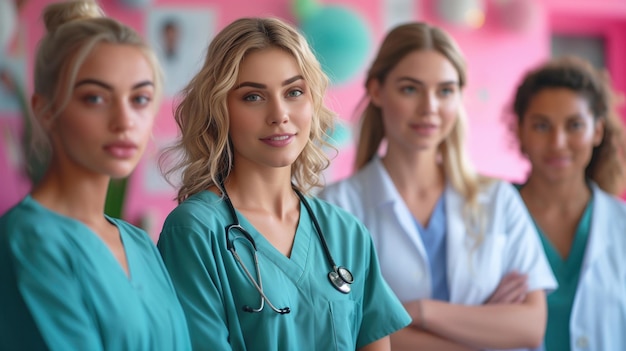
(269, 192)
(565, 193)
(415, 173)
(82, 198)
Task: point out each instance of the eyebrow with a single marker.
(263, 86)
(419, 82)
(540, 115)
(108, 86)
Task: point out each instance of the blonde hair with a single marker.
(607, 166)
(204, 151)
(74, 28)
(459, 171)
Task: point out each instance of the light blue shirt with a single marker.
(61, 287)
(213, 287)
(434, 239)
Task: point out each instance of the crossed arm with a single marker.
(511, 318)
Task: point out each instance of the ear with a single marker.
(41, 110)
(598, 132)
(373, 90)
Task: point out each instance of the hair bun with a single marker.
(60, 13)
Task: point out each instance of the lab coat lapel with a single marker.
(597, 242)
(391, 205)
(458, 272)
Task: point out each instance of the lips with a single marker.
(557, 161)
(424, 128)
(121, 149)
(278, 140)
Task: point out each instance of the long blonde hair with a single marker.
(74, 28)
(203, 154)
(459, 171)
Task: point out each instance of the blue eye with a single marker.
(446, 91)
(93, 99)
(142, 100)
(252, 97)
(408, 89)
(295, 93)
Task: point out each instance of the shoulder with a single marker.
(497, 190)
(29, 223)
(137, 234)
(610, 204)
(203, 208)
(357, 186)
(197, 219)
(334, 216)
(354, 184)
(497, 194)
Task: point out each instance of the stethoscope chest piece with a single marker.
(341, 278)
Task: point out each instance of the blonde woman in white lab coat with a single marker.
(571, 134)
(460, 251)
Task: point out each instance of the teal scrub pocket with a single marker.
(344, 324)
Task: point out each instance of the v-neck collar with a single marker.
(579, 243)
(293, 266)
(130, 276)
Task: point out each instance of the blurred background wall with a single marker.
(500, 38)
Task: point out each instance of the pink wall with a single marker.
(497, 57)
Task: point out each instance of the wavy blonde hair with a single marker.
(203, 154)
(74, 28)
(459, 171)
(607, 166)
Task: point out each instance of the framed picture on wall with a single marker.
(11, 82)
(180, 36)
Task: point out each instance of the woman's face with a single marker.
(419, 99)
(558, 134)
(107, 123)
(270, 110)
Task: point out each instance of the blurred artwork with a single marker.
(180, 37)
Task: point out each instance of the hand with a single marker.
(512, 289)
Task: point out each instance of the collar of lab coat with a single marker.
(605, 214)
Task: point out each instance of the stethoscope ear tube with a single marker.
(340, 276)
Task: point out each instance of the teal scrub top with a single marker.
(62, 288)
(213, 287)
(567, 273)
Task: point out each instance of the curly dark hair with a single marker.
(607, 166)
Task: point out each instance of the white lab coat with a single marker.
(598, 320)
(510, 240)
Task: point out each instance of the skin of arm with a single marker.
(382, 344)
(412, 338)
(497, 326)
(512, 289)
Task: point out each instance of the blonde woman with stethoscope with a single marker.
(459, 251)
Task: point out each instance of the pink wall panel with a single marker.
(497, 57)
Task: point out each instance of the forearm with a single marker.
(411, 338)
(498, 326)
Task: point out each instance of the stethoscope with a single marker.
(340, 277)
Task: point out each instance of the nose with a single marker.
(122, 117)
(278, 112)
(430, 103)
(558, 138)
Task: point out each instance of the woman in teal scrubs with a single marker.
(257, 263)
(72, 278)
(572, 136)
